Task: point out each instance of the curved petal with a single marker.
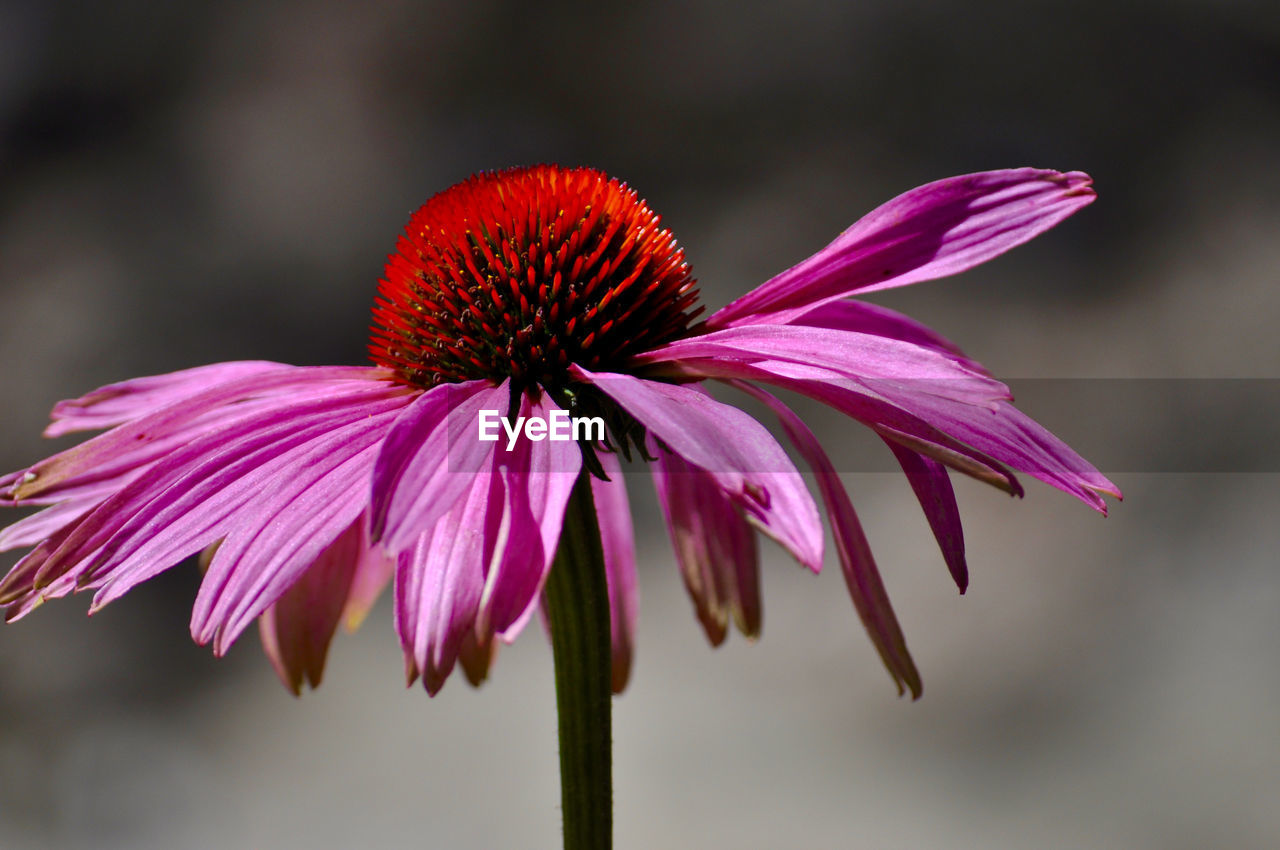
(617, 540)
(861, 317)
(932, 231)
(374, 568)
(297, 628)
(213, 486)
(115, 404)
(429, 457)
(859, 567)
(857, 400)
(438, 585)
(738, 452)
(535, 478)
(274, 538)
(932, 487)
(476, 656)
(851, 355)
(715, 547)
(134, 445)
(481, 569)
(20, 592)
(1010, 436)
(41, 525)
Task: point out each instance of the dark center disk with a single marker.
(520, 273)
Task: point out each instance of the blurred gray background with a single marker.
(190, 182)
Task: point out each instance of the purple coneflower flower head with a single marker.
(544, 295)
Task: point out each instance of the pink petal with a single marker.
(739, 453)
(932, 231)
(374, 568)
(115, 404)
(481, 570)
(858, 401)
(932, 487)
(861, 317)
(273, 538)
(617, 539)
(536, 478)
(860, 572)
(429, 458)
(19, 591)
(32, 529)
(438, 586)
(1010, 436)
(213, 486)
(102, 462)
(297, 628)
(715, 547)
(851, 355)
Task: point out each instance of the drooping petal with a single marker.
(715, 547)
(850, 355)
(207, 488)
(1011, 437)
(374, 568)
(274, 537)
(932, 487)
(297, 628)
(109, 458)
(481, 569)
(739, 453)
(855, 399)
(932, 231)
(861, 317)
(536, 478)
(438, 585)
(225, 481)
(477, 656)
(20, 592)
(32, 529)
(115, 404)
(859, 567)
(429, 458)
(617, 540)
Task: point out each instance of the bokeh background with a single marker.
(190, 182)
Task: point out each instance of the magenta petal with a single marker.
(850, 355)
(932, 487)
(534, 481)
(617, 539)
(20, 590)
(739, 453)
(114, 404)
(297, 628)
(1010, 436)
(429, 457)
(861, 317)
(276, 536)
(107, 460)
(861, 575)
(860, 402)
(43, 524)
(374, 568)
(715, 547)
(438, 585)
(932, 231)
(208, 489)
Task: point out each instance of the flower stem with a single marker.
(577, 601)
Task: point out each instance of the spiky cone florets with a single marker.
(520, 273)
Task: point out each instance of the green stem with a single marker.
(577, 601)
